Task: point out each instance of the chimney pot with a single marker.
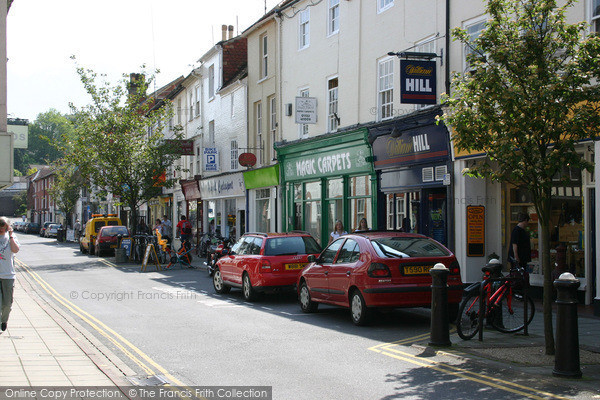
(223, 32)
(230, 29)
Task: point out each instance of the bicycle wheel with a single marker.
(508, 316)
(467, 323)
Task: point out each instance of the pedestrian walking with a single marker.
(9, 246)
(184, 229)
(168, 228)
(363, 225)
(520, 244)
(77, 229)
(338, 231)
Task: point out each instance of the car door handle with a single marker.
(348, 273)
(326, 272)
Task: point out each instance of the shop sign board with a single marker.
(418, 82)
(306, 110)
(348, 160)
(426, 144)
(211, 159)
(20, 135)
(222, 186)
(475, 231)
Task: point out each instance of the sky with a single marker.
(112, 37)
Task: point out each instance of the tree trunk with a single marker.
(547, 270)
(133, 219)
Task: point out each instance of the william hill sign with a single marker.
(417, 82)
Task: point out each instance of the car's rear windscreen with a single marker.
(280, 246)
(408, 247)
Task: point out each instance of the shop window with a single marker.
(390, 212)
(263, 210)
(400, 210)
(335, 193)
(312, 190)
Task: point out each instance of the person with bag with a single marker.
(9, 246)
(184, 229)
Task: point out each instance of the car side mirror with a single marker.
(311, 258)
(225, 251)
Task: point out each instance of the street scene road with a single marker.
(170, 327)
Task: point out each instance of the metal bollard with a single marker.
(440, 327)
(566, 361)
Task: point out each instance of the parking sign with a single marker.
(211, 159)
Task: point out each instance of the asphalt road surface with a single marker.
(173, 325)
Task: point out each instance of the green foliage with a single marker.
(529, 98)
(20, 200)
(118, 143)
(66, 188)
(45, 144)
(16, 172)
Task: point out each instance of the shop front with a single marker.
(412, 160)
(223, 204)
(572, 223)
(325, 179)
(263, 206)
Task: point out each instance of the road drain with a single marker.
(152, 380)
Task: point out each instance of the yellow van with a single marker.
(88, 237)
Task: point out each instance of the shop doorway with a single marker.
(434, 222)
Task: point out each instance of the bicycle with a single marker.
(182, 257)
(503, 304)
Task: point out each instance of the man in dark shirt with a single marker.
(520, 244)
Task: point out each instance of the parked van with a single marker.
(90, 231)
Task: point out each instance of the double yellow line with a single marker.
(148, 365)
(392, 350)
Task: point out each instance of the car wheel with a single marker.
(247, 289)
(359, 309)
(218, 284)
(306, 303)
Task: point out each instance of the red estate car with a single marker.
(377, 269)
(262, 261)
(108, 238)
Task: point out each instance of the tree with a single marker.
(66, 189)
(119, 144)
(530, 96)
(45, 140)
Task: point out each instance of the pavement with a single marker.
(43, 347)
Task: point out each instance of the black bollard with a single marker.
(566, 361)
(440, 327)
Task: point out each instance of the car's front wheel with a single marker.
(359, 309)
(306, 303)
(218, 284)
(247, 289)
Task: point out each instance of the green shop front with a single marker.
(325, 179)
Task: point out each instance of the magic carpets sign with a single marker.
(339, 162)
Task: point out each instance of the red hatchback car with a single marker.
(263, 261)
(108, 238)
(367, 270)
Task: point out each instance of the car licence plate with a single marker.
(294, 266)
(417, 269)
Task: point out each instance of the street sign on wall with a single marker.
(306, 110)
(211, 159)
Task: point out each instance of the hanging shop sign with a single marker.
(418, 82)
(426, 144)
(306, 110)
(247, 159)
(182, 147)
(223, 186)
(475, 231)
(211, 159)
(347, 160)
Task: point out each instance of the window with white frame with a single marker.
(332, 105)
(211, 81)
(273, 125)
(595, 14)
(264, 56)
(197, 91)
(426, 46)
(259, 138)
(304, 30)
(400, 209)
(385, 88)
(303, 128)
(333, 20)
(474, 29)
(211, 132)
(383, 5)
(191, 108)
(179, 111)
(234, 155)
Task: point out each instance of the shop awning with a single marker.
(264, 177)
(190, 189)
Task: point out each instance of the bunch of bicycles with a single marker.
(499, 301)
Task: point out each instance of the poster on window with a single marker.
(418, 82)
(475, 231)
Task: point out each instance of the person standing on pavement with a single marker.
(9, 246)
(77, 229)
(338, 231)
(184, 229)
(520, 244)
(167, 228)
